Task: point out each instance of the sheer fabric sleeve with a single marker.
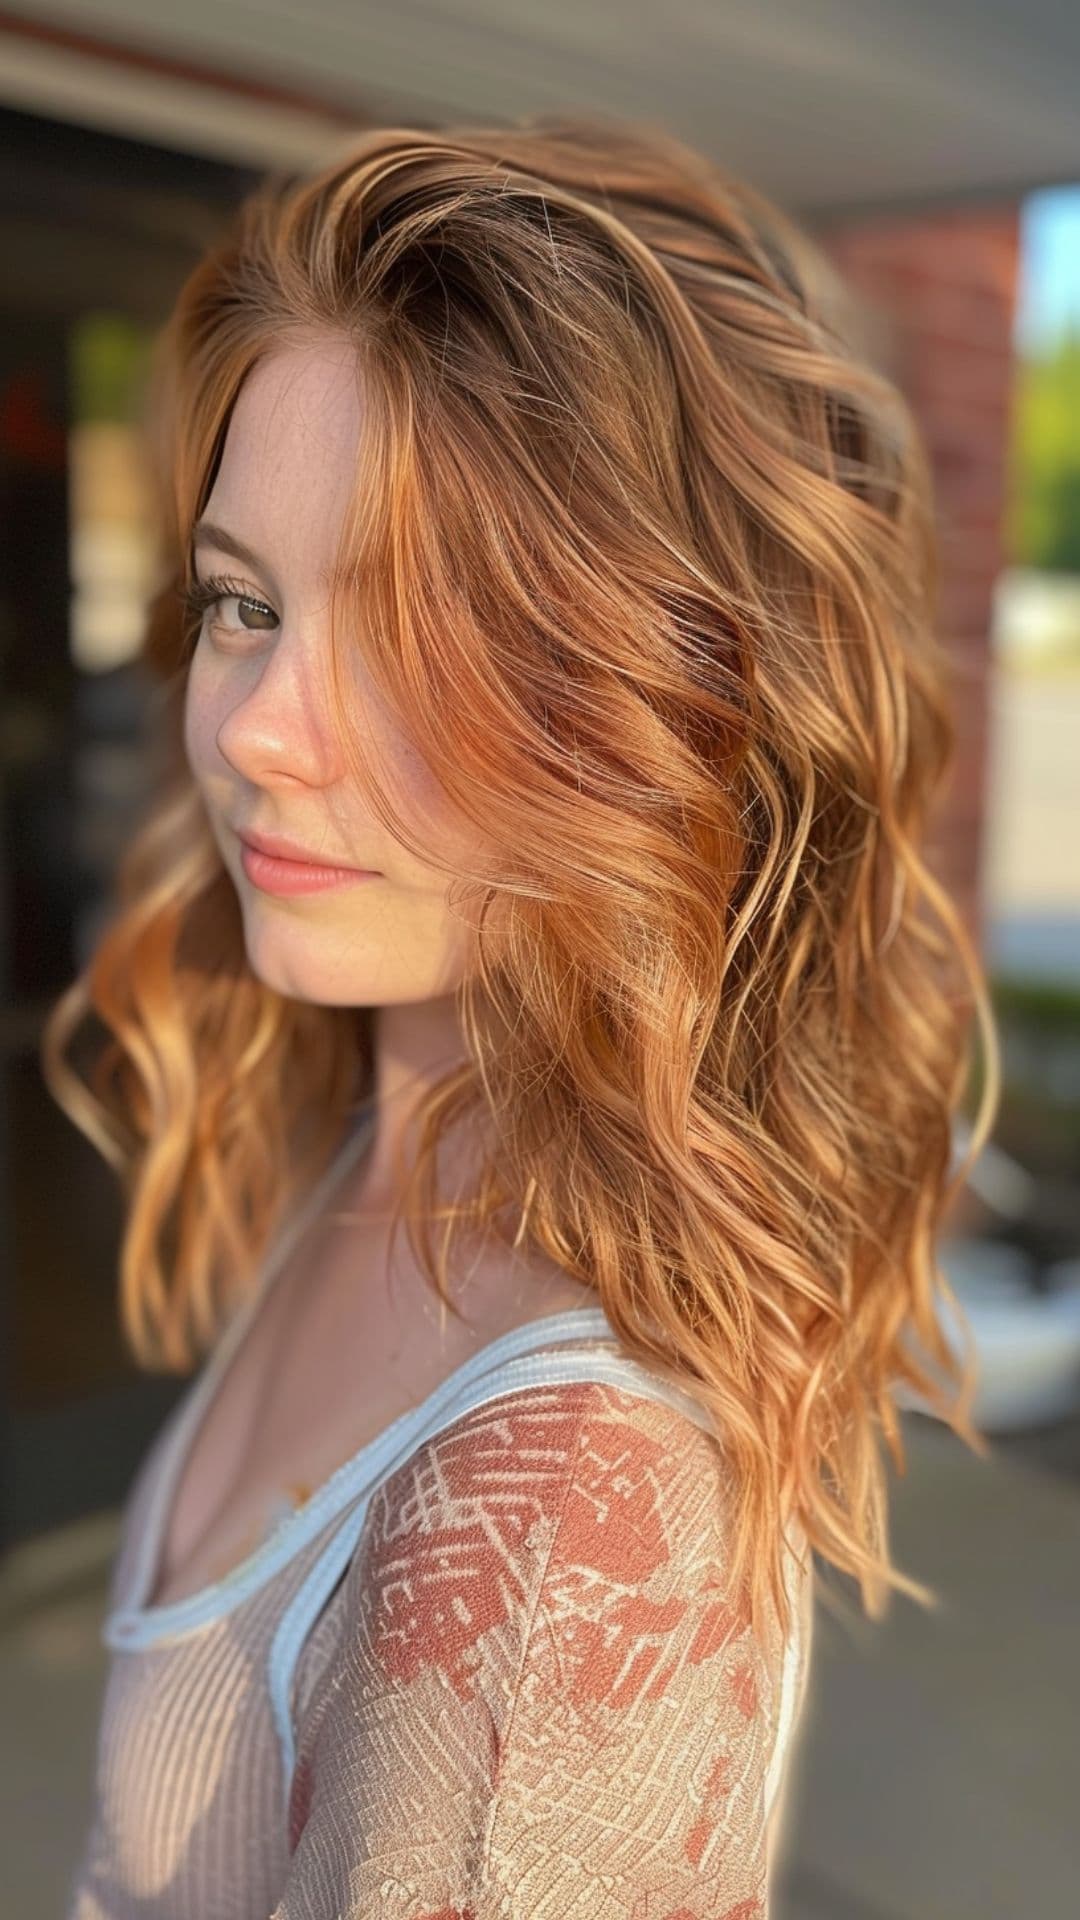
(546, 1703)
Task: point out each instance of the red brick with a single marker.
(937, 294)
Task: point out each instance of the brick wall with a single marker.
(937, 293)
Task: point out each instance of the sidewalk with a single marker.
(935, 1777)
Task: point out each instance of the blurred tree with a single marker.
(109, 361)
(1043, 507)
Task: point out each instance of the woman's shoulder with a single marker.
(535, 1453)
(590, 1498)
(539, 1608)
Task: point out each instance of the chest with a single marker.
(349, 1337)
(189, 1813)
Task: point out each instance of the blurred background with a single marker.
(933, 146)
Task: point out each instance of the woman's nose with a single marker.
(278, 724)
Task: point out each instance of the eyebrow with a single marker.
(207, 533)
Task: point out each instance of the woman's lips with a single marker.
(273, 875)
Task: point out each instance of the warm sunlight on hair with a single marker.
(640, 558)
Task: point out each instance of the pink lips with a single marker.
(273, 874)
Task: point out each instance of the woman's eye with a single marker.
(253, 615)
(224, 606)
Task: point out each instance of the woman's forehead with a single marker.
(298, 403)
(288, 467)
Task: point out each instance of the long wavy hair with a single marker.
(643, 556)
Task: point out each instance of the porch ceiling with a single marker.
(831, 105)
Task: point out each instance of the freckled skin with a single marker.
(257, 727)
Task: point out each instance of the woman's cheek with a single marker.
(199, 724)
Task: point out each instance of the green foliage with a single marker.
(108, 360)
(1042, 525)
(1049, 1004)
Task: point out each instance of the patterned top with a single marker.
(490, 1668)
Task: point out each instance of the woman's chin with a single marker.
(298, 961)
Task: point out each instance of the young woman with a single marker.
(548, 664)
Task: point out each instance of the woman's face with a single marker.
(257, 725)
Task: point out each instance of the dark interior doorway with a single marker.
(96, 235)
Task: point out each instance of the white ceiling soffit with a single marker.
(830, 105)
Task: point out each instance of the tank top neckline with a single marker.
(133, 1617)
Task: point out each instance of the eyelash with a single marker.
(198, 595)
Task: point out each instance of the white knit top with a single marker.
(490, 1667)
